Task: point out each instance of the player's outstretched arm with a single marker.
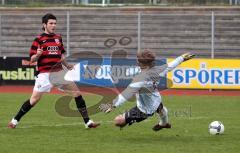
(119, 100)
(173, 64)
(122, 97)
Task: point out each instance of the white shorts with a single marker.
(44, 82)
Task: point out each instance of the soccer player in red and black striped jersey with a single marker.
(51, 49)
(48, 51)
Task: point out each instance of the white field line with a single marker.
(82, 123)
(55, 125)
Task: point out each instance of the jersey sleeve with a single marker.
(172, 65)
(131, 90)
(34, 47)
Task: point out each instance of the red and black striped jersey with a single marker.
(53, 49)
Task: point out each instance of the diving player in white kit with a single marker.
(144, 86)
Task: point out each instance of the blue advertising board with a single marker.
(117, 72)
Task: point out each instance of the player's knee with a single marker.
(119, 120)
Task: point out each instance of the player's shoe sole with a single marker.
(158, 127)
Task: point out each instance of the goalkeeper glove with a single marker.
(187, 56)
(106, 108)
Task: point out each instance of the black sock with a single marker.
(82, 108)
(23, 110)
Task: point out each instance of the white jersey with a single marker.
(144, 86)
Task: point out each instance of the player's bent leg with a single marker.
(162, 112)
(42, 85)
(130, 117)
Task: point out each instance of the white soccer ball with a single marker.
(216, 127)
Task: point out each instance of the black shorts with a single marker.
(135, 115)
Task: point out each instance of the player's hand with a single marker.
(106, 108)
(39, 51)
(70, 67)
(187, 56)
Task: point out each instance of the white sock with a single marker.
(163, 116)
(14, 122)
(88, 123)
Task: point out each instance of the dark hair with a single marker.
(46, 17)
(146, 58)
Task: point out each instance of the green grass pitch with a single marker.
(43, 130)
